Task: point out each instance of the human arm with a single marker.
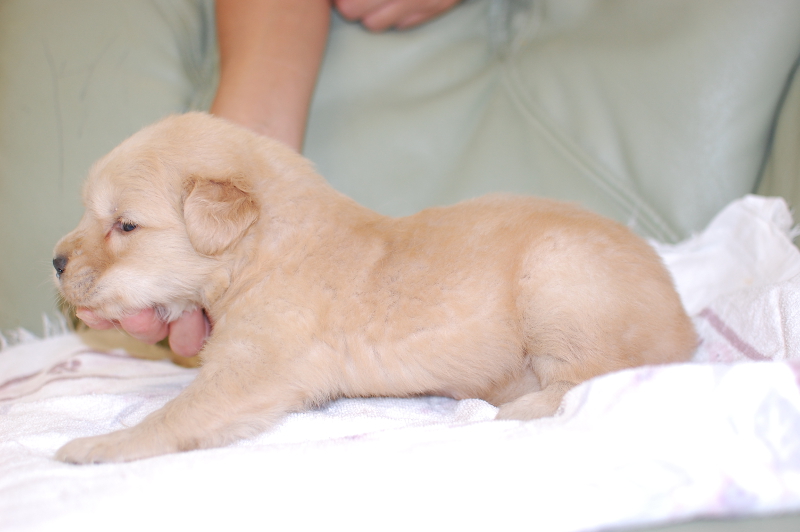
(270, 54)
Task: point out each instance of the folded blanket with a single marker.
(717, 437)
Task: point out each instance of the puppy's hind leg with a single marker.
(560, 362)
(534, 405)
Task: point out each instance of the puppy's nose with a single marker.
(60, 264)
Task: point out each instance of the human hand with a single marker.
(187, 334)
(380, 15)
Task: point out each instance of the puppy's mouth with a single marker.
(78, 286)
(81, 290)
(77, 290)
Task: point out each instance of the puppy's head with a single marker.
(163, 211)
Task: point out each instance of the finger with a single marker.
(93, 320)
(405, 14)
(414, 19)
(188, 333)
(386, 15)
(356, 9)
(145, 326)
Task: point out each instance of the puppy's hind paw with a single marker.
(535, 405)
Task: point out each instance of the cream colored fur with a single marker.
(312, 297)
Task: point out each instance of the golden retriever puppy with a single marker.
(312, 297)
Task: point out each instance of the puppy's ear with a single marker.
(217, 214)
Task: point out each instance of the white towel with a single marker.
(740, 280)
(642, 446)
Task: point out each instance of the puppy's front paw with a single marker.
(120, 446)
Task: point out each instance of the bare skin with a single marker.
(270, 55)
(187, 334)
(381, 15)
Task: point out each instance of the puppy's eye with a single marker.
(127, 226)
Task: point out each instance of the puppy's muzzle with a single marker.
(60, 264)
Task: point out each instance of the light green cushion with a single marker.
(655, 113)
